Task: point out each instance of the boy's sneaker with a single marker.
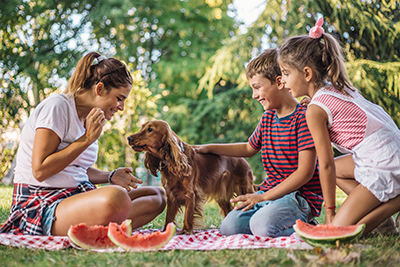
(388, 226)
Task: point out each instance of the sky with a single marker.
(249, 10)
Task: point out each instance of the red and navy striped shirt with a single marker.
(280, 141)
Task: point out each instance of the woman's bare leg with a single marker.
(109, 204)
(147, 204)
(96, 207)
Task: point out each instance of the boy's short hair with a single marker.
(265, 64)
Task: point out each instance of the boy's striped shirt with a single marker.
(280, 141)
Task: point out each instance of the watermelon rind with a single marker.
(75, 233)
(330, 241)
(141, 242)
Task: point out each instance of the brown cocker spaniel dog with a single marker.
(190, 178)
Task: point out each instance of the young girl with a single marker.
(54, 178)
(369, 173)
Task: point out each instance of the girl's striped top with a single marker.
(347, 121)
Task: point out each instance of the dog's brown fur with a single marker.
(190, 178)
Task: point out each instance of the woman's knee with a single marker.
(115, 199)
(160, 192)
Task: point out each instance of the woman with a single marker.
(54, 178)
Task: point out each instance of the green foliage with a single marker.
(368, 30)
(379, 82)
(39, 43)
(172, 47)
(169, 41)
(114, 150)
(191, 56)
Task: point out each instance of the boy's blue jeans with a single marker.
(268, 218)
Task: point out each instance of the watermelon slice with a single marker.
(140, 242)
(95, 237)
(328, 235)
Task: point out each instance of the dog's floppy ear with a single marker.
(173, 153)
(151, 163)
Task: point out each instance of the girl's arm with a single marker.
(317, 121)
(47, 162)
(232, 150)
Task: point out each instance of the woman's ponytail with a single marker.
(81, 74)
(94, 68)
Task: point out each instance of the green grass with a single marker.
(379, 250)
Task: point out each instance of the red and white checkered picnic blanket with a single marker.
(35, 241)
(201, 240)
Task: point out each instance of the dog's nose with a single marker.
(129, 139)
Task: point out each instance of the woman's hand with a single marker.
(123, 177)
(248, 201)
(94, 123)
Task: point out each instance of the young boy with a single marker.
(292, 189)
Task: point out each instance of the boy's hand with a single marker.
(248, 201)
(305, 101)
(201, 149)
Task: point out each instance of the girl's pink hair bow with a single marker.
(317, 31)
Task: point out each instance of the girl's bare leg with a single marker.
(345, 173)
(357, 205)
(109, 204)
(361, 206)
(381, 213)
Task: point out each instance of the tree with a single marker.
(171, 43)
(368, 30)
